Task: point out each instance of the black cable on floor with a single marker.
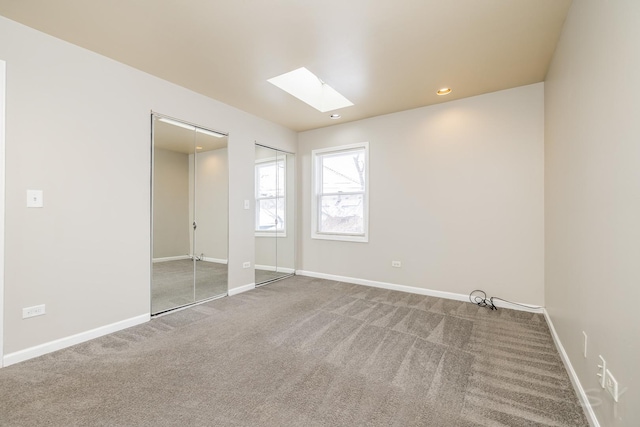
(479, 297)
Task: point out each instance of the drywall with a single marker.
(592, 199)
(78, 128)
(171, 228)
(456, 195)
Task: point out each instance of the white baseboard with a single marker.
(181, 257)
(59, 344)
(274, 268)
(412, 289)
(216, 260)
(582, 395)
(171, 258)
(241, 289)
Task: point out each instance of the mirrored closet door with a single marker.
(189, 214)
(275, 214)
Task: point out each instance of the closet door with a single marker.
(274, 220)
(285, 234)
(211, 214)
(189, 214)
(173, 267)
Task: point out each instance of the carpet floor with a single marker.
(304, 352)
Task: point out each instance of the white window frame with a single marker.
(316, 182)
(270, 233)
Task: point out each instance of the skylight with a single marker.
(307, 87)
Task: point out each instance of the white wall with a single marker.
(592, 197)
(456, 196)
(78, 127)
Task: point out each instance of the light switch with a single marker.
(34, 199)
(246, 204)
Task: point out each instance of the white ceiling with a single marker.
(384, 56)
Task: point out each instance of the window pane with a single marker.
(342, 214)
(270, 213)
(270, 179)
(280, 184)
(280, 215)
(343, 172)
(267, 180)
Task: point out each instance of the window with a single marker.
(341, 202)
(270, 197)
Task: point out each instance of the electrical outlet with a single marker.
(602, 370)
(246, 264)
(611, 385)
(396, 264)
(585, 344)
(36, 310)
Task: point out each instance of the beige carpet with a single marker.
(304, 352)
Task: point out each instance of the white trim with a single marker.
(181, 257)
(216, 260)
(171, 258)
(241, 289)
(315, 182)
(3, 74)
(59, 344)
(409, 289)
(274, 268)
(275, 234)
(582, 395)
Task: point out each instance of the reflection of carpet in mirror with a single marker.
(172, 283)
(266, 275)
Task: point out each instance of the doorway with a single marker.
(189, 214)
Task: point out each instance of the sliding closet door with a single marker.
(189, 214)
(173, 269)
(211, 215)
(274, 221)
(285, 236)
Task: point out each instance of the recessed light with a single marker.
(198, 148)
(444, 91)
(335, 116)
(307, 87)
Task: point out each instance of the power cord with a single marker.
(479, 297)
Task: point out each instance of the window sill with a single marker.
(270, 234)
(340, 237)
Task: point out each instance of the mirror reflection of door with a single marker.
(189, 214)
(275, 216)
